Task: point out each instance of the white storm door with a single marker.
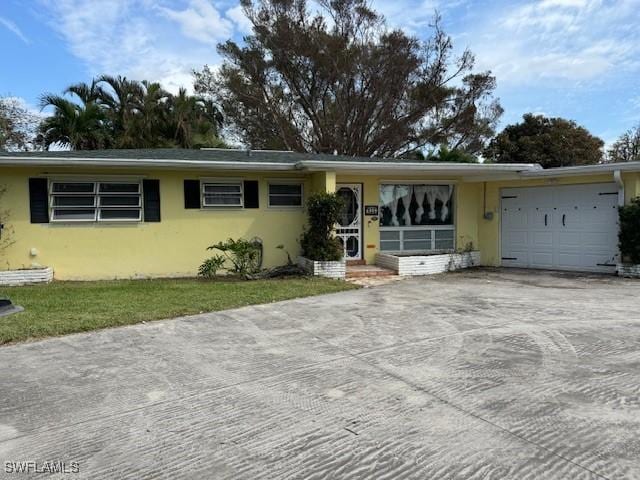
(349, 228)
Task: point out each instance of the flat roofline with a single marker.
(58, 161)
(584, 170)
(527, 170)
(303, 165)
(321, 165)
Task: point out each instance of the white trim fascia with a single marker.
(584, 170)
(141, 163)
(423, 181)
(318, 165)
(492, 178)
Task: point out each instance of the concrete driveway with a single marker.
(484, 374)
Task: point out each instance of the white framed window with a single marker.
(95, 201)
(286, 194)
(222, 193)
(416, 217)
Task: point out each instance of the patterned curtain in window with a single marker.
(412, 198)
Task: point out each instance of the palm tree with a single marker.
(122, 103)
(153, 115)
(80, 126)
(120, 113)
(194, 121)
(86, 92)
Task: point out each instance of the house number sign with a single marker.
(371, 210)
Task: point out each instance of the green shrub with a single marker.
(244, 255)
(210, 266)
(318, 242)
(629, 235)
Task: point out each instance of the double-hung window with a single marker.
(95, 201)
(285, 194)
(222, 194)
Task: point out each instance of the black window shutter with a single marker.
(151, 192)
(251, 194)
(38, 200)
(192, 194)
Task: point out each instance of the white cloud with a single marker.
(201, 21)
(141, 38)
(566, 41)
(240, 19)
(13, 28)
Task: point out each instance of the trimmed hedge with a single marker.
(629, 235)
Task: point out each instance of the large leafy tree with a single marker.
(551, 142)
(627, 147)
(337, 79)
(17, 125)
(115, 112)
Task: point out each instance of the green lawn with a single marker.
(66, 307)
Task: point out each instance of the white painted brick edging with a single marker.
(628, 270)
(324, 269)
(23, 277)
(428, 264)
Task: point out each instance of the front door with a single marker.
(349, 228)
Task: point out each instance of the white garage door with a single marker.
(573, 227)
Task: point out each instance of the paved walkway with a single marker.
(475, 375)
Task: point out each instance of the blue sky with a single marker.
(578, 59)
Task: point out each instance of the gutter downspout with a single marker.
(617, 176)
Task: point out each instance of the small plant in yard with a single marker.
(318, 242)
(6, 231)
(245, 255)
(281, 247)
(629, 234)
(211, 266)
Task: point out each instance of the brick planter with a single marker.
(323, 269)
(428, 264)
(26, 276)
(628, 270)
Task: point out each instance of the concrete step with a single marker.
(356, 262)
(363, 271)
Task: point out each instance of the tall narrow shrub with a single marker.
(318, 242)
(629, 235)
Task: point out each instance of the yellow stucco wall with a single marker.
(466, 197)
(174, 247)
(489, 230)
(177, 245)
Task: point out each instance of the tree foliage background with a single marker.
(337, 79)
(115, 112)
(551, 142)
(627, 147)
(17, 126)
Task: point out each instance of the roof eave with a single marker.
(446, 168)
(584, 170)
(141, 163)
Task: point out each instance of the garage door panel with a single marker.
(541, 239)
(572, 239)
(541, 217)
(569, 260)
(600, 261)
(515, 218)
(597, 219)
(598, 241)
(517, 238)
(570, 227)
(540, 259)
(515, 258)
